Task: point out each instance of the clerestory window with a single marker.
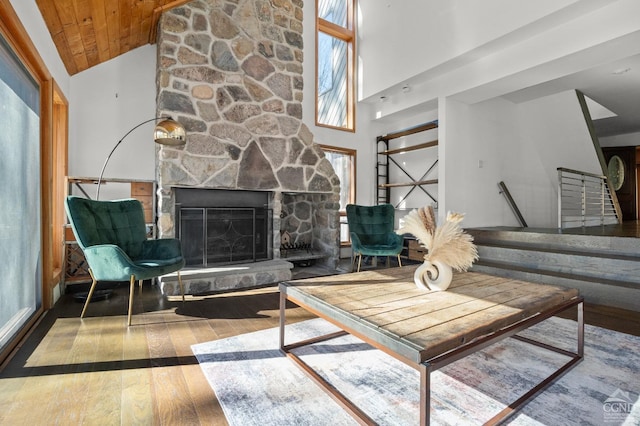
(335, 52)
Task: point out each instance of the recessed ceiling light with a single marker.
(621, 71)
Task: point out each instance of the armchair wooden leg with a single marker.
(359, 261)
(181, 286)
(91, 289)
(132, 287)
(399, 262)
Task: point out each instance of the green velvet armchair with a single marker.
(372, 233)
(113, 237)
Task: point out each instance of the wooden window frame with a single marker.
(18, 39)
(348, 35)
(352, 188)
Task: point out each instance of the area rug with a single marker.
(257, 385)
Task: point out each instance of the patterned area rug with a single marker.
(257, 385)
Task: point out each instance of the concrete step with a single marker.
(596, 292)
(547, 239)
(605, 268)
(614, 270)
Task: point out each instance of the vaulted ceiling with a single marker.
(89, 32)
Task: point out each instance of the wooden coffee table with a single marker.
(428, 330)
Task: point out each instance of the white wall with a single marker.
(522, 145)
(106, 102)
(553, 134)
(473, 158)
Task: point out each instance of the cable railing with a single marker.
(584, 199)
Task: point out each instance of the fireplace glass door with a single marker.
(217, 236)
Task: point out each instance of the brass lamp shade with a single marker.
(170, 132)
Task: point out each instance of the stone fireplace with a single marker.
(231, 73)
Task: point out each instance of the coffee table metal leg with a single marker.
(283, 304)
(425, 394)
(580, 351)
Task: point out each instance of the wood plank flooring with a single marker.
(99, 372)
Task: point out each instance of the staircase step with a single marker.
(620, 280)
(621, 295)
(548, 240)
(605, 268)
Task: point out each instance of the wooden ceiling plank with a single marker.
(136, 19)
(74, 39)
(113, 27)
(100, 29)
(67, 16)
(87, 31)
(56, 29)
(66, 12)
(60, 41)
(125, 25)
(50, 15)
(150, 7)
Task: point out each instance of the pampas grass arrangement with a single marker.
(446, 243)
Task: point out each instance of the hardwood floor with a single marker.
(99, 371)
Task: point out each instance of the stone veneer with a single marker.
(231, 73)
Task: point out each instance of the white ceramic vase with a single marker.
(434, 276)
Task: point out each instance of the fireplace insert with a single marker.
(218, 227)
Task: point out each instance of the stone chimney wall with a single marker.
(231, 72)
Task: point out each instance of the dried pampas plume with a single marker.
(447, 243)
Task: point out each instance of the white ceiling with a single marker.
(614, 85)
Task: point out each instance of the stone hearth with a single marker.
(229, 277)
(231, 73)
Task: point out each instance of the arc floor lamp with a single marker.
(167, 132)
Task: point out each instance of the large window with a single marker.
(343, 161)
(20, 242)
(335, 48)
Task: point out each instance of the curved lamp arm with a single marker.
(175, 133)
